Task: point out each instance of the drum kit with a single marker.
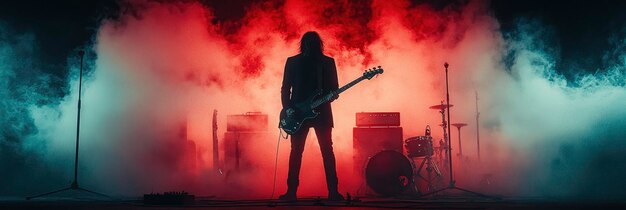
(390, 172)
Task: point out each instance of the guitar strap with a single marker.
(320, 85)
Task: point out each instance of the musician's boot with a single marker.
(335, 196)
(333, 193)
(292, 188)
(290, 195)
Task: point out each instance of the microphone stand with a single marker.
(74, 185)
(452, 183)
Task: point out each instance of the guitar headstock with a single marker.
(370, 73)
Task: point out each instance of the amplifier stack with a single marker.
(243, 133)
(374, 132)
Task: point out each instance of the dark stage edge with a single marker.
(458, 202)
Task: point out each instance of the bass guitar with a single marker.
(291, 119)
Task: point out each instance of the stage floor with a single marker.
(316, 203)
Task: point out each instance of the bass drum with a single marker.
(389, 173)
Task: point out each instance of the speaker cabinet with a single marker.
(242, 150)
(367, 141)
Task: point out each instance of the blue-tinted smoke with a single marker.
(566, 136)
(24, 84)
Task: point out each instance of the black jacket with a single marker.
(300, 82)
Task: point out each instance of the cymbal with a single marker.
(458, 125)
(440, 106)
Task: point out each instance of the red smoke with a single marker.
(167, 63)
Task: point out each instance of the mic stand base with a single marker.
(74, 186)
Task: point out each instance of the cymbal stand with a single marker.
(477, 127)
(452, 183)
(446, 140)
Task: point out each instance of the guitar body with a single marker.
(291, 120)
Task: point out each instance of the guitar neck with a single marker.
(325, 99)
(349, 85)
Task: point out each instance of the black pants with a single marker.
(298, 141)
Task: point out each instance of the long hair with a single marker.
(311, 44)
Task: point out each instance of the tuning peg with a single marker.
(378, 67)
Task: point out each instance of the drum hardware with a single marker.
(422, 147)
(452, 182)
(459, 126)
(441, 106)
(477, 127)
(440, 149)
(431, 166)
(444, 124)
